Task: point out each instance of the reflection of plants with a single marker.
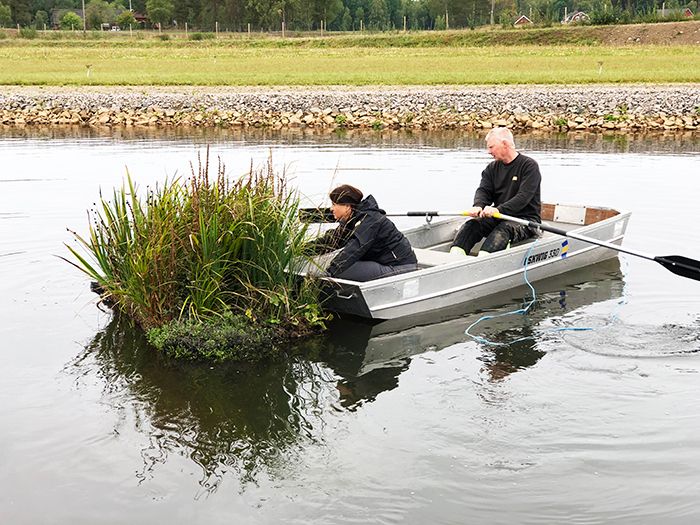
(201, 251)
(230, 425)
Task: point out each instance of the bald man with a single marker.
(510, 184)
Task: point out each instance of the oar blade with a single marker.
(683, 266)
(316, 215)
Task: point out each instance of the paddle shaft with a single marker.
(325, 214)
(683, 266)
(573, 235)
(429, 214)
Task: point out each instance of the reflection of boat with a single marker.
(389, 344)
(443, 281)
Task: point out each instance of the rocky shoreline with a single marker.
(629, 108)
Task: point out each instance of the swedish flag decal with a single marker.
(564, 248)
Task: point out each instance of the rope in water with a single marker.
(521, 311)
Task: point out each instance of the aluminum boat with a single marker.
(444, 280)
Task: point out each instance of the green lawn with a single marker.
(169, 64)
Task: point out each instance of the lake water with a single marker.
(377, 424)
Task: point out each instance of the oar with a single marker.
(677, 264)
(326, 215)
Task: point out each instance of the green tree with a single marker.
(394, 13)
(440, 23)
(70, 20)
(96, 12)
(378, 15)
(210, 13)
(41, 18)
(234, 12)
(5, 15)
(65, 4)
(359, 17)
(189, 11)
(21, 11)
(126, 19)
(345, 20)
(159, 11)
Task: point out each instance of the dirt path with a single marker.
(677, 33)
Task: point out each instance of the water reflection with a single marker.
(223, 418)
(683, 143)
(249, 421)
(369, 359)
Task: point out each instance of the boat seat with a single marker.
(435, 257)
(428, 257)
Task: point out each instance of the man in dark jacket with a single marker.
(372, 246)
(510, 185)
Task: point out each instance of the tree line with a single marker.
(330, 15)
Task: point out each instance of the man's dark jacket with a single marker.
(512, 188)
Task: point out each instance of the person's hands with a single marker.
(474, 211)
(488, 211)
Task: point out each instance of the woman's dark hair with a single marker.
(346, 194)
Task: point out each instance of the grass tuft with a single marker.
(200, 251)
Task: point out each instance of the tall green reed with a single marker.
(202, 248)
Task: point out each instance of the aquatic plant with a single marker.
(201, 250)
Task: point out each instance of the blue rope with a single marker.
(521, 311)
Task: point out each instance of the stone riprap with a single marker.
(629, 108)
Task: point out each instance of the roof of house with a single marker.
(522, 19)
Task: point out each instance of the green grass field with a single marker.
(570, 55)
(235, 66)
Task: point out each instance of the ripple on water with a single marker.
(621, 339)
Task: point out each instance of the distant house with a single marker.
(141, 18)
(522, 21)
(679, 12)
(57, 14)
(577, 17)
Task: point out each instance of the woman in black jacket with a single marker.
(372, 246)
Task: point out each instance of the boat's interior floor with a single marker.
(439, 253)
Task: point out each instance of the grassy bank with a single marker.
(205, 266)
(221, 64)
(574, 35)
(666, 33)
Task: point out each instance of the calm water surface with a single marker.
(383, 424)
